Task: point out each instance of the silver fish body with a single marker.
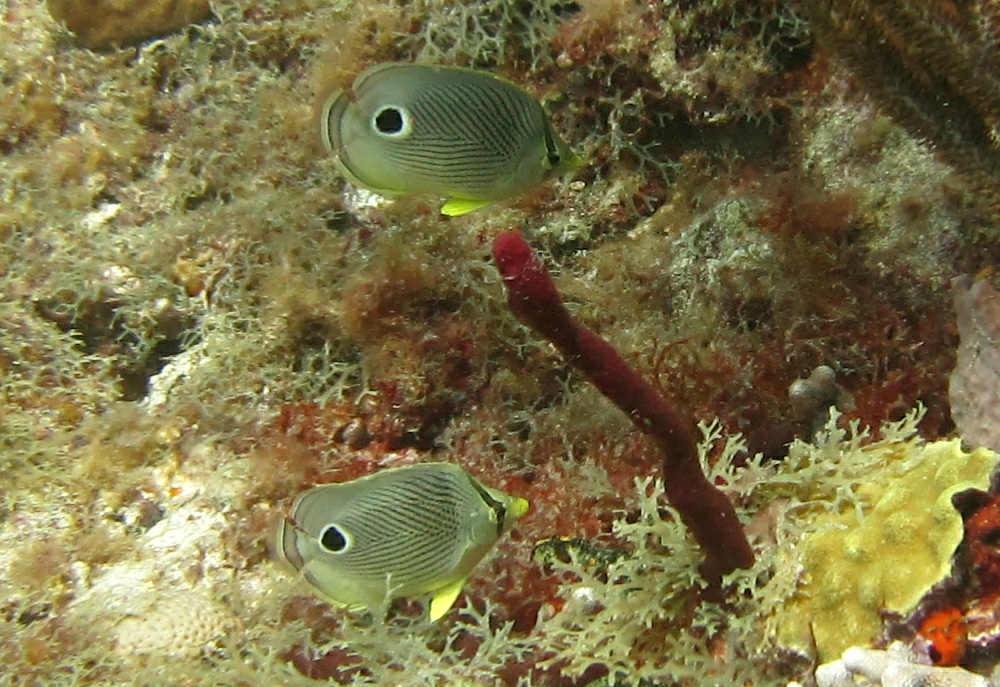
(401, 532)
(448, 131)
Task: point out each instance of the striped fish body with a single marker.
(446, 131)
(401, 532)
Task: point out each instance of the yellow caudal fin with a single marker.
(459, 206)
(444, 598)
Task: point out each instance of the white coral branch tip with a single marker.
(860, 667)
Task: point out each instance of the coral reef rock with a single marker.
(976, 378)
(102, 24)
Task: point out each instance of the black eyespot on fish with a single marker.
(391, 121)
(334, 540)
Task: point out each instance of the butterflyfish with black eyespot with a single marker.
(401, 532)
(464, 134)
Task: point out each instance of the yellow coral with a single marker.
(889, 552)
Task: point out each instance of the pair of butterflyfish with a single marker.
(413, 531)
(467, 135)
(474, 138)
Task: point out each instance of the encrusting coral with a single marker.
(887, 550)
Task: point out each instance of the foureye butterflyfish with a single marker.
(449, 131)
(402, 532)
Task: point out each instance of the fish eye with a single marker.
(392, 121)
(334, 539)
(553, 158)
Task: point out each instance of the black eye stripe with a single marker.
(498, 508)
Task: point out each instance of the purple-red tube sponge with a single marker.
(533, 298)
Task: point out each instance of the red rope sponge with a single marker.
(533, 298)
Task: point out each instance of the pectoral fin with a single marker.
(444, 598)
